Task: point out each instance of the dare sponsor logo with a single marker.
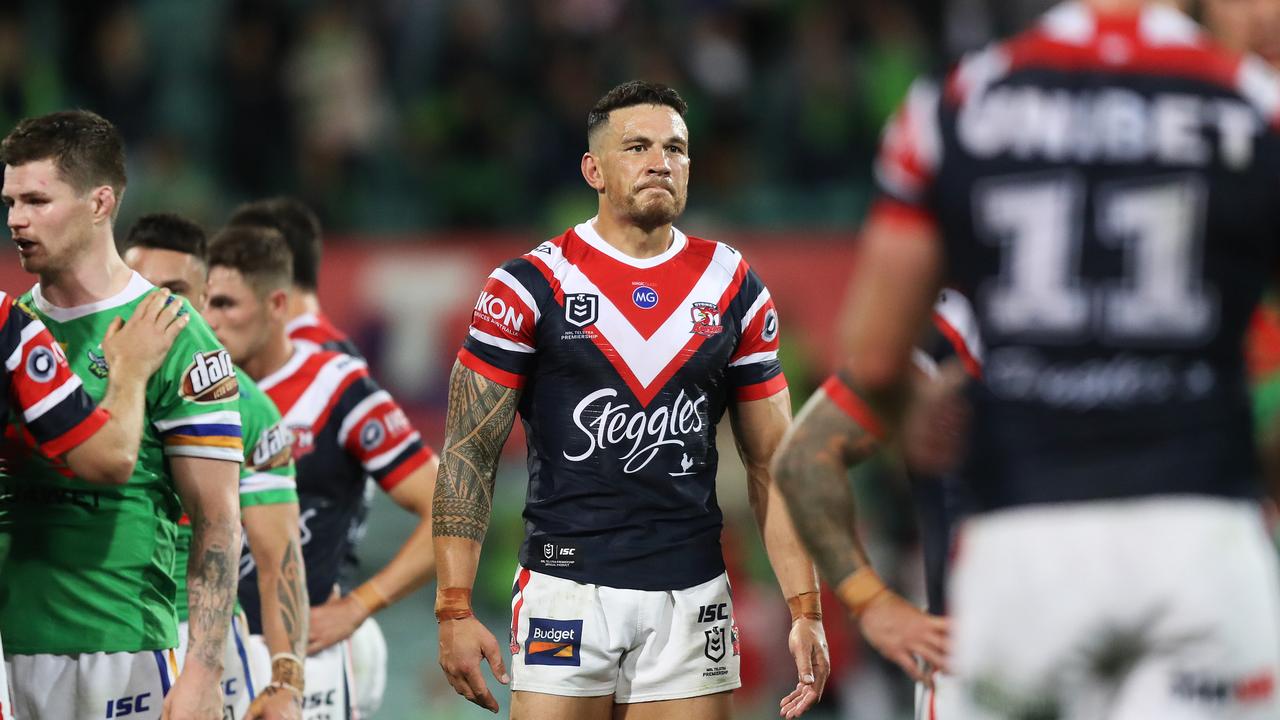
(210, 378)
(706, 319)
(553, 642)
(274, 449)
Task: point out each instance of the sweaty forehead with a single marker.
(34, 176)
(655, 122)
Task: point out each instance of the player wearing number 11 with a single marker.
(1105, 188)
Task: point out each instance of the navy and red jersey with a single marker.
(626, 366)
(345, 428)
(1106, 190)
(316, 332)
(57, 413)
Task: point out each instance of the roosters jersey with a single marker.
(1106, 191)
(626, 366)
(344, 427)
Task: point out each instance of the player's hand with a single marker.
(334, 621)
(276, 703)
(462, 644)
(139, 346)
(936, 423)
(195, 696)
(808, 645)
(901, 632)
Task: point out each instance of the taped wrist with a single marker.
(453, 604)
(807, 605)
(860, 589)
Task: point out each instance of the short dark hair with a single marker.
(260, 254)
(167, 231)
(630, 94)
(299, 226)
(85, 146)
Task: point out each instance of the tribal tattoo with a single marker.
(476, 426)
(292, 593)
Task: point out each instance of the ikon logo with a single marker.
(497, 310)
(580, 309)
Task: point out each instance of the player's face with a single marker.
(180, 272)
(1246, 26)
(49, 221)
(239, 318)
(643, 155)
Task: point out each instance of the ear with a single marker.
(278, 303)
(104, 202)
(591, 172)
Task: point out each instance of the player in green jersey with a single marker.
(169, 251)
(87, 596)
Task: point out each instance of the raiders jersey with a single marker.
(626, 366)
(344, 428)
(1106, 191)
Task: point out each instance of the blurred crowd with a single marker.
(399, 115)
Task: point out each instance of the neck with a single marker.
(1119, 7)
(95, 275)
(631, 239)
(302, 302)
(274, 355)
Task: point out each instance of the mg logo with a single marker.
(580, 309)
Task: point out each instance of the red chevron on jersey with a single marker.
(645, 335)
(307, 387)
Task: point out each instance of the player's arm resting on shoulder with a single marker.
(272, 530)
(209, 492)
(895, 284)
(415, 563)
(133, 351)
(477, 424)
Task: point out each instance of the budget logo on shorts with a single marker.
(580, 309)
(553, 642)
(645, 298)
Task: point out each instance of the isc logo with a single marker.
(128, 705)
(711, 613)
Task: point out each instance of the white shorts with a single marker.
(941, 702)
(92, 686)
(6, 695)
(239, 684)
(579, 640)
(1130, 610)
(368, 667)
(259, 660)
(329, 692)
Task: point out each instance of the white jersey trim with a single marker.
(28, 332)
(518, 288)
(357, 412)
(322, 388)
(136, 288)
(377, 462)
(206, 452)
(262, 482)
(51, 400)
(500, 343)
(754, 358)
(301, 350)
(587, 231)
(221, 417)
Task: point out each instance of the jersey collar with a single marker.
(587, 231)
(136, 288)
(299, 356)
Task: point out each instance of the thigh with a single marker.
(562, 641)
(92, 686)
(704, 707)
(527, 705)
(689, 645)
(327, 696)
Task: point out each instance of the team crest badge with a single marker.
(714, 649)
(98, 364)
(581, 309)
(706, 319)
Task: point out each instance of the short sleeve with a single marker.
(755, 372)
(193, 400)
(909, 157)
(376, 432)
(500, 343)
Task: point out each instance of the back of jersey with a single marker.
(1108, 192)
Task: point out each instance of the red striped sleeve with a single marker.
(473, 362)
(853, 406)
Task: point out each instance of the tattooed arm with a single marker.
(476, 426)
(272, 532)
(208, 489)
(811, 469)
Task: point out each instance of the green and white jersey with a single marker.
(266, 478)
(90, 567)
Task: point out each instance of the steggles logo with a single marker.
(647, 431)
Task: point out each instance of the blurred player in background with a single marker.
(621, 343)
(88, 612)
(835, 431)
(308, 327)
(344, 426)
(169, 251)
(1104, 186)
